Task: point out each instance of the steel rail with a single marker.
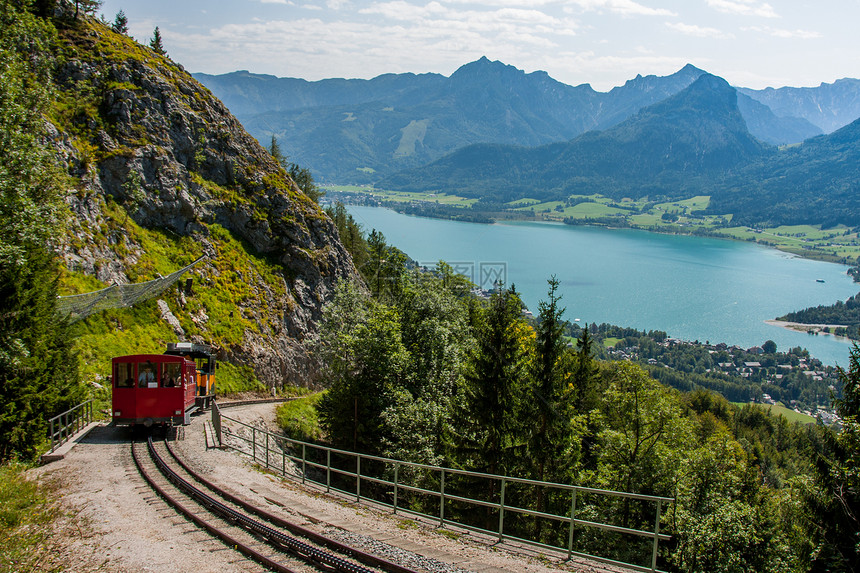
(272, 536)
(361, 556)
(227, 539)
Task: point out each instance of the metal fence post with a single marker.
(358, 477)
(284, 459)
(267, 450)
(254, 443)
(304, 462)
(53, 447)
(572, 522)
(396, 470)
(327, 470)
(502, 511)
(442, 499)
(656, 537)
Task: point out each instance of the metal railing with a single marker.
(64, 426)
(315, 464)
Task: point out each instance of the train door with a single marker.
(147, 387)
(124, 392)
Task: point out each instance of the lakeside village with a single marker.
(760, 375)
(778, 374)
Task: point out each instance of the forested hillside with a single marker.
(815, 182)
(845, 316)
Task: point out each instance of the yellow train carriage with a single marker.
(204, 360)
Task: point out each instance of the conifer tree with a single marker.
(86, 6)
(156, 44)
(277, 154)
(486, 426)
(550, 407)
(301, 175)
(837, 511)
(120, 23)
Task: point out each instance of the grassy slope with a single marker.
(777, 410)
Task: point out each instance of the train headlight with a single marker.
(117, 413)
(177, 412)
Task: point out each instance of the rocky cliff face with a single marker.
(151, 150)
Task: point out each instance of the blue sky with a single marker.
(602, 42)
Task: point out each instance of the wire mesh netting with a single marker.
(79, 306)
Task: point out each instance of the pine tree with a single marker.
(551, 410)
(486, 427)
(38, 371)
(120, 23)
(301, 175)
(277, 154)
(86, 6)
(156, 44)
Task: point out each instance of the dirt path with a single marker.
(116, 524)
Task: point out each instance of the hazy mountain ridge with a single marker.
(363, 130)
(828, 106)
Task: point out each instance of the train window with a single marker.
(123, 374)
(147, 375)
(170, 377)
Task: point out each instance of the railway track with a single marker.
(263, 537)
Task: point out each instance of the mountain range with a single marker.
(364, 130)
(663, 149)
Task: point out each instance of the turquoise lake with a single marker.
(693, 288)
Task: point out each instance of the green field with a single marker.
(683, 207)
(789, 414)
(777, 409)
(404, 197)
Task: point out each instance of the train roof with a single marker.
(148, 357)
(189, 349)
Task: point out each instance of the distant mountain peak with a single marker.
(483, 66)
(690, 69)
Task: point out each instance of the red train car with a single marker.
(152, 389)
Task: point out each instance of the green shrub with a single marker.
(299, 420)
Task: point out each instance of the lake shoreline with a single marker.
(811, 329)
(510, 216)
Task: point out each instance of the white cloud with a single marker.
(623, 7)
(786, 34)
(698, 31)
(275, 2)
(392, 37)
(744, 8)
(588, 66)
